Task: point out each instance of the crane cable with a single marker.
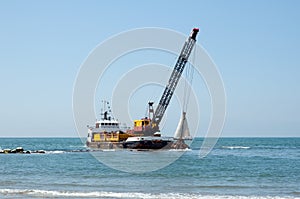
(189, 73)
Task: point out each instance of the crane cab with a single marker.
(144, 127)
(142, 124)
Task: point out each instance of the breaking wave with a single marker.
(235, 147)
(136, 195)
(55, 152)
(187, 149)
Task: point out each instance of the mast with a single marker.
(174, 78)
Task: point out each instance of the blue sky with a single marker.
(255, 45)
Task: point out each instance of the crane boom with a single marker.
(174, 78)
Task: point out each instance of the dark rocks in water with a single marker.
(5, 151)
(40, 151)
(179, 144)
(13, 151)
(17, 150)
(20, 150)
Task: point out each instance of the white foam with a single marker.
(55, 152)
(109, 150)
(187, 149)
(236, 147)
(135, 195)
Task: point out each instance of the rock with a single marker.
(19, 150)
(179, 144)
(13, 151)
(41, 151)
(7, 150)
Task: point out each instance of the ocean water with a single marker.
(236, 168)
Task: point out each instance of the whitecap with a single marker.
(55, 152)
(236, 147)
(180, 150)
(135, 195)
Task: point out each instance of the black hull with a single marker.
(147, 144)
(142, 144)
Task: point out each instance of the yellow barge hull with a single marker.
(105, 145)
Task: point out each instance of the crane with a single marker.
(174, 78)
(148, 126)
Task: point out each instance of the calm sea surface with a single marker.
(236, 168)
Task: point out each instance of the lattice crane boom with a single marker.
(174, 78)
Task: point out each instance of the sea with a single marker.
(238, 168)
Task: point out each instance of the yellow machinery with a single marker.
(110, 136)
